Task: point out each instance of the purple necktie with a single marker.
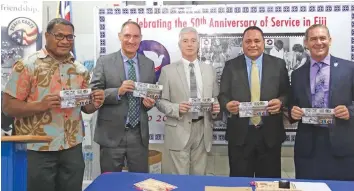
(319, 96)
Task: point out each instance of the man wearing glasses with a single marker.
(122, 124)
(32, 97)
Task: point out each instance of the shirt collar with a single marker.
(258, 60)
(43, 53)
(125, 58)
(326, 60)
(185, 61)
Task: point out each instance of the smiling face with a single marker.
(318, 42)
(253, 44)
(60, 48)
(130, 38)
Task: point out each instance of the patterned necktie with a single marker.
(319, 97)
(255, 90)
(133, 111)
(193, 87)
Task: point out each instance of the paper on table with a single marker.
(154, 185)
(219, 188)
(312, 186)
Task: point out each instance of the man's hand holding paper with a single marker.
(127, 86)
(274, 106)
(341, 112)
(233, 107)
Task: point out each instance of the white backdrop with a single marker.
(221, 27)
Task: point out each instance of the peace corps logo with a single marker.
(156, 52)
(23, 31)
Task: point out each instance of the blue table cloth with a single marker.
(124, 181)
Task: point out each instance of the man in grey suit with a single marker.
(254, 144)
(122, 124)
(188, 136)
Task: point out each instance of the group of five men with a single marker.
(254, 144)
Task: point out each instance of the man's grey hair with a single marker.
(188, 30)
(316, 26)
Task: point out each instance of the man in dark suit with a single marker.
(324, 81)
(254, 144)
(122, 124)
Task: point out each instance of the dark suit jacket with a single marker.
(341, 92)
(234, 85)
(109, 75)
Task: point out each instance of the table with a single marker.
(124, 181)
(14, 161)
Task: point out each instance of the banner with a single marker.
(21, 27)
(221, 28)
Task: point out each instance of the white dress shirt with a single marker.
(198, 75)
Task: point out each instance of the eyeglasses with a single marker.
(60, 36)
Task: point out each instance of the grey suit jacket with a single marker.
(109, 75)
(176, 90)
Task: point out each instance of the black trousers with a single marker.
(55, 170)
(255, 158)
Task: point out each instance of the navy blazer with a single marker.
(341, 92)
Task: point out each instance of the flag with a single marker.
(24, 37)
(64, 11)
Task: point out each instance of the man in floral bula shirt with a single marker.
(32, 97)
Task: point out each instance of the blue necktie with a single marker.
(133, 111)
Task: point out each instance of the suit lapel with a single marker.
(205, 77)
(244, 77)
(120, 65)
(266, 74)
(182, 75)
(307, 82)
(142, 67)
(334, 75)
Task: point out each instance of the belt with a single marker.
(128, 126)
(199, 118)
(255, 126)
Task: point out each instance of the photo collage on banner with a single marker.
(21, 28)
(220, 28)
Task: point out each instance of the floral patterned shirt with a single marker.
(31, 80)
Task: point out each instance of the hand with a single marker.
(148, 102)
(274, 106)
(127, 86)
(341, 112)
(216, 108)
(232, 107)
(50, 101)
(184, 107)
(296, 113)
(97, 98)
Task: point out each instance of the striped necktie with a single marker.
(193, 87)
